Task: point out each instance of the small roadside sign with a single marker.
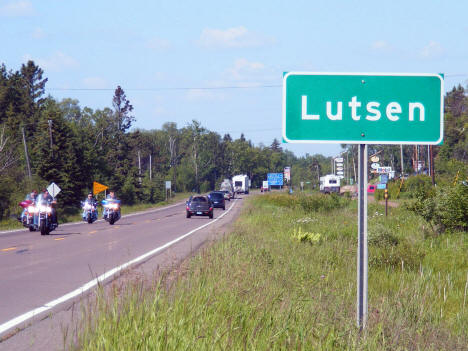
(53, 189)
(381, 186)
(168, 184)
(384, 178)
(375, 159)
(98, 187)
(375, 165)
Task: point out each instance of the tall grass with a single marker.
(263, 289)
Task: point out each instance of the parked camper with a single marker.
(330, 184)
(241, 184)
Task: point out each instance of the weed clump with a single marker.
(306, 237)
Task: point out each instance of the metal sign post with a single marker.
(362, 239)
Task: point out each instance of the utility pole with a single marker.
(150, 174)
(26, 153)
(50, 134)
(402, 163)
(139, 167)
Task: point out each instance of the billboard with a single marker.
(275, 179)
(287, 174)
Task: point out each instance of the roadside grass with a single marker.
(12, 223)
(285, 279)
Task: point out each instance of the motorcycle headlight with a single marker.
(45, 209)
(87, 207)
(31, 209)
(115, 206)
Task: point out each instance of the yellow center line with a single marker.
(148, 221)
(92, 232)
(117, 226)
(59, 238)
(9, 249)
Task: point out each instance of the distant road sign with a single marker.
(384, 169)
(339, 168)
(275, 178)
(375, 159)
(384, 178)
(98, 187)
(363, 108)
(339, 159)
(53, 189)
(375, 165)
(381, 186)
(168, 184)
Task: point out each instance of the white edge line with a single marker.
(28, 315)
(100, 220)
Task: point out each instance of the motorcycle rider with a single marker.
(110, 197)
(92, 201)
(46, 197)
(29, 197)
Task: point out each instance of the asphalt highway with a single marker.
(39, 274)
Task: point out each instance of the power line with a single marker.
(227, 87)
(171, 88)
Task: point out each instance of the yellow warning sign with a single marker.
(97, 188)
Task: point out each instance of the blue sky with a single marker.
(161, 51)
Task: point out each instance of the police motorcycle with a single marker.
(111, 212)
(27, 217)
(44, 215)
(90, 212)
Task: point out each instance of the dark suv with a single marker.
(199, 206)
(217, 198)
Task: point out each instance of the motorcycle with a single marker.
(27, 217)
(44, 218)
(90, 213)
(111, 210)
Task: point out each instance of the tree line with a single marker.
(44, 140)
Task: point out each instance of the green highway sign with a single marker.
(363, 108)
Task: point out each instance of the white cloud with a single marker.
(158, 44)
(17, 9)
(380, 45)
(235, 37)
(243, 69)
(433, 49)
(38, 33)
(56, 62)
(94, 83)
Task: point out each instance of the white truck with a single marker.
(241, 184)
(330, 184)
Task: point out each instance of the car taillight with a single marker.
(211, 208)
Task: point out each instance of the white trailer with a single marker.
(330, 184)
(241, 184)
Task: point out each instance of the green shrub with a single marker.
(381, 236)
(446, 209)
(417, 185)
(309, 203)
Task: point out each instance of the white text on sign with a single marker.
(393, 110)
